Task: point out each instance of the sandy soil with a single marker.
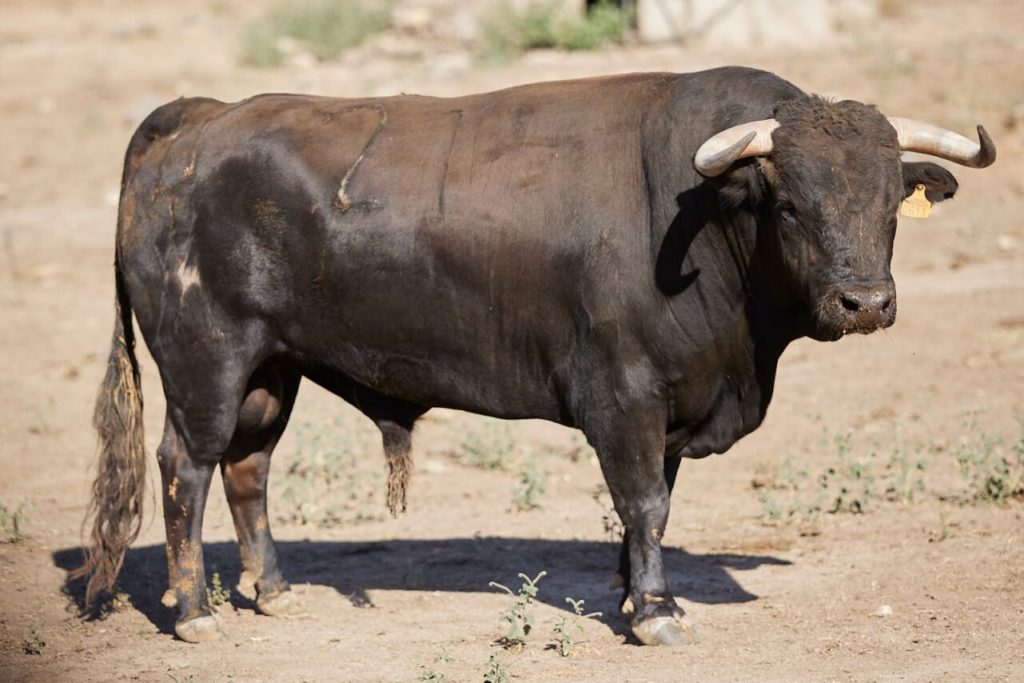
(928, 589)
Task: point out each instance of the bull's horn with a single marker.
(720, 151)
(918, 136)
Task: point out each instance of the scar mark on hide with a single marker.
(344, 200)
(172, 490)
(447, 161)
(188, 277)
(191, 167)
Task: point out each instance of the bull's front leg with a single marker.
(621, 579)
(631, 448)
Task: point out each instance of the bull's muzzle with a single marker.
(858, 307)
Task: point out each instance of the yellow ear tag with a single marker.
(916, 205)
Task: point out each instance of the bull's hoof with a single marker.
(199, 630)
(665, 629)
(283, 604)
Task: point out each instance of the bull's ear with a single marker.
(742, 184)
(939, 184)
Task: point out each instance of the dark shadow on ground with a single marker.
(579, 569)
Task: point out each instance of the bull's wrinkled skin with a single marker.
(546, 251)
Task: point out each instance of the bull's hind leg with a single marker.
(186, 482)
(270, 396)
(205, 390)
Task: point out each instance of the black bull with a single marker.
(547, 251)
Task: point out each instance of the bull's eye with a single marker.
(788, 212)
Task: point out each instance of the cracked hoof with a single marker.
(283, 604)
(671, 630)
(199, 630)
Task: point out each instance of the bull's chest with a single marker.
(711, 412)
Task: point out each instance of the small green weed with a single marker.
(531, 486)
(580, 450)
(603, 23)
(324, 484)
(41, 425)
(496, 671)
(613, 528)
(946, 529)
(519, 617)
(35, 642)
(217, 594)
(13, 522)
(577, 451)
(508, 30)
(435, 675)
(261, 46)
(850, 483)
(787, 475)
(779, 490)
(323, 27)
(992, 471)
(488, 446)
(903, 476)
(893, 470)
(567, 630)
(121, 600)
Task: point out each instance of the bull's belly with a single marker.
(432, 374)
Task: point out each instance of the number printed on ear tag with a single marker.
(916, 205)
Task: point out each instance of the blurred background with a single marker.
(871, 528)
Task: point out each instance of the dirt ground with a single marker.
(930, 588)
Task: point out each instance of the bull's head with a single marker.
(830, 179)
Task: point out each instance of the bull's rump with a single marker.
(409, 242)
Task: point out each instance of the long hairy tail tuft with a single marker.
(117, 491)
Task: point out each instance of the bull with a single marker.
(628, 256)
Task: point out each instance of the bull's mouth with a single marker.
(854, 309)
(834, 330)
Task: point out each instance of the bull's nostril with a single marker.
(886, 304)
(849, 303)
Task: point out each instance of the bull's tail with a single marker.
(117, 492)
